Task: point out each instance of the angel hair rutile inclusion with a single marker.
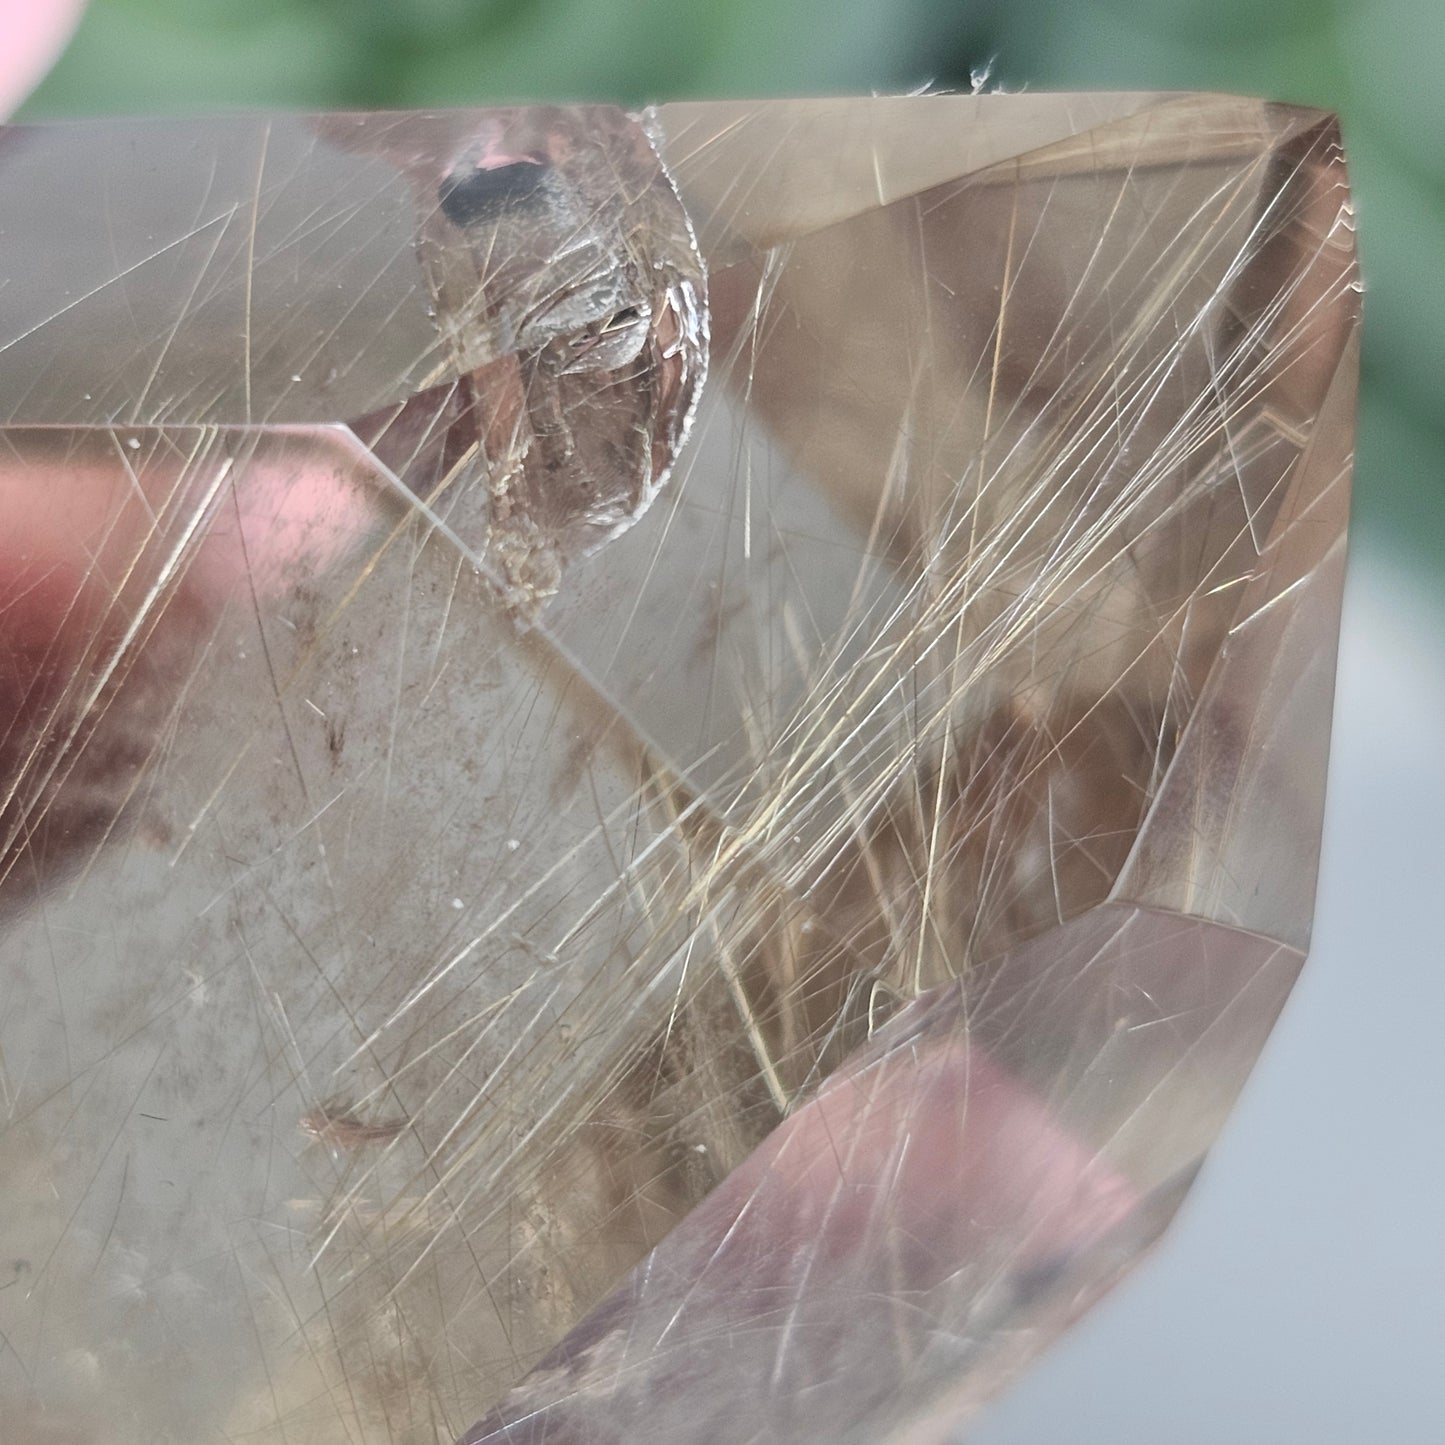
(658, 774)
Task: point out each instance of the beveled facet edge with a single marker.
(1258, 740)
(831, 167)
(949, 139)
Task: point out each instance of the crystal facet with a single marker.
(501, 944)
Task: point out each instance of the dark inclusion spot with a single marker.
(468, 196)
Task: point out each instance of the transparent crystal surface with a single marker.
(544, 900)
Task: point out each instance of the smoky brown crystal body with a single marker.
(545, 900)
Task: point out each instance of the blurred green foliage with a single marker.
(1375, 61)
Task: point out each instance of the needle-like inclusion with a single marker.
(486, 958)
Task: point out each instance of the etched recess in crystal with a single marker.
(756, 978)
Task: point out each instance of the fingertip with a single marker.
(32, 35)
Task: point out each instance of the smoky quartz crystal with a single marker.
(549, 898)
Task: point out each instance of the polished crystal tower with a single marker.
(658, 775)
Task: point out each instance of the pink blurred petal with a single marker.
(32, 35)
